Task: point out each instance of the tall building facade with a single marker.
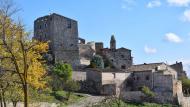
(62, 34)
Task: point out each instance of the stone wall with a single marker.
(141, 79)
(62, 33)
(163, 83)
(178, 66)
(138, 96)
(133, 96)
(99, 46)
(120, 58)
(79, 76)
(86, 52)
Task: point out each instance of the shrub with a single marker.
(149, 94)
(97, 62)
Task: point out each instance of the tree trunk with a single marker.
(3, 98)
(68, 95)
(25, 87)
(14, 103)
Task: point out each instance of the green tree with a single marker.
(63, 71)
(71, 86)
(97, 62)
(185, 86)
(61, 74)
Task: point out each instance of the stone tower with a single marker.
(62, 32)
(112, 43)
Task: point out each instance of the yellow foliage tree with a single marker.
(20, 55)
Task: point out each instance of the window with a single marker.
(40, 27)
(122, 56)
(45, 25)
(147, 77)
(71, 44)
(123, 67)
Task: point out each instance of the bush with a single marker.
(147, 92)
(71, 86)
(97, 62)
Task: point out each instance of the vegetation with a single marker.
(97, 62)
(186, 86)
(20, 56)
(63, 73)
(149, 94)
(124, 104)
(60, 74)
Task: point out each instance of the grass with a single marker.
(123, 104)
(58, 97)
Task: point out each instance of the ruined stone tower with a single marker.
(62, 33)
(112, 43)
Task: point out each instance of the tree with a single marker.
(185, 85)
(14, 93)
(71, 86)
(63, 71)
(97, 62)
(19, 54)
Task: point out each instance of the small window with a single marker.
(40, 27)
(71, 44)
(45, 25)
(112, 60)
(122, 56)
(147, 77)
(123, 67)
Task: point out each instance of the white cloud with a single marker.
(155, 3)
(149, 50)
(186, 16)
(172, 37)
(181, 3)
(128, 4)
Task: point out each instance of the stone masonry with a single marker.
(62, 34)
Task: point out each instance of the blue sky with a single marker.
(155, 30)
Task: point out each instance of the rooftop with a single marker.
(144, 67)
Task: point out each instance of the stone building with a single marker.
(86, 52)
(178, 66)
(107, 81)
(62, 34)
(158, 77)
(112, 43)
(120, 58)
(99, 46)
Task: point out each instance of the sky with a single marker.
(155, 30)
